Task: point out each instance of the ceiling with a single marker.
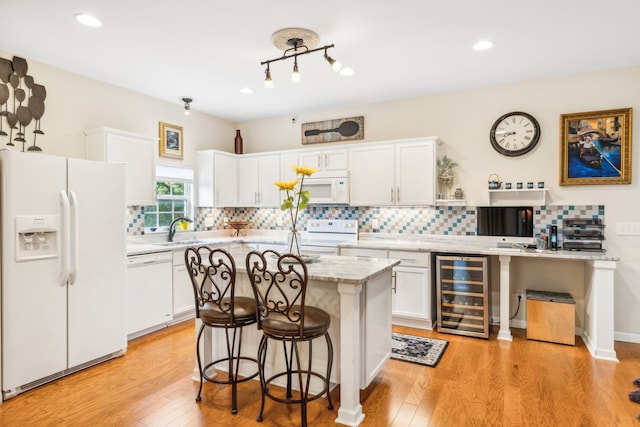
(209, 50)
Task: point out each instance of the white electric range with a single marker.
(322, 236)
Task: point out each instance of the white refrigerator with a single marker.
(63, 266)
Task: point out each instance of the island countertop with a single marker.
(348, 269)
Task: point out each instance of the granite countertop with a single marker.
(382, 241)
(153, 244)
(344, 269)
(467, 245)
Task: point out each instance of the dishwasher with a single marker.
(149, 292)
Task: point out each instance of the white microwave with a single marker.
(328, 188)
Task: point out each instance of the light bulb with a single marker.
(295, 76)
(268, 83)
(335, 65)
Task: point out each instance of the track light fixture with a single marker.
(296, 42)
(335, 65)
(187, 105)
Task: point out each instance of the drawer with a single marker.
(411, 258)
(364, 253)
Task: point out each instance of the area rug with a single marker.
(424, 351)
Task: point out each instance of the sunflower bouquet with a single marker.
(296, 199)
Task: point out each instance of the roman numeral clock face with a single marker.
(515, 134)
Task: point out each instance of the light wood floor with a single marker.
(477, 383)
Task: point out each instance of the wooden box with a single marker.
(551, 317)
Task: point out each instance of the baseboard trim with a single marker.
(626, 337)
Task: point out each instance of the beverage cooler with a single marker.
(463, 295)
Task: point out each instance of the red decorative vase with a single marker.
(238, 142)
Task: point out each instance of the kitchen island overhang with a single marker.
(356, 292)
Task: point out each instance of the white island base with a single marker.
(356, 292)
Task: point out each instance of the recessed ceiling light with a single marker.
(346, 71)
(246, 91)
(483, 45)
(88, 20)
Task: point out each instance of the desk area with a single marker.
(599, 269)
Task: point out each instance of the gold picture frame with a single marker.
(595, 147)
(171, 142)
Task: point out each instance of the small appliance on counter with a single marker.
(583, 234)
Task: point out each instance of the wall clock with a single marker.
(515, 134)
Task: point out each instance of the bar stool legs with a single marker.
(233, 338)
(293, 367)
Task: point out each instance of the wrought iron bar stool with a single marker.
(213, 276)
(279, 284)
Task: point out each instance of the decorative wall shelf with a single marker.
(532, 196)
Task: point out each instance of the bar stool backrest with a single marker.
(213, 276)
(279, 283)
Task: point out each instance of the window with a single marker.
(174, 199)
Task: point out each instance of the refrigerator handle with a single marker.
(64, 238)
(74, 238)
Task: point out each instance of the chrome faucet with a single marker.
(172, 227)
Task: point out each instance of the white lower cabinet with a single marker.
(412, 298)
(148, 293)
(183, 299)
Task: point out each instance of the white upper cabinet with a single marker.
(256, 177)
(287, 162)
(415, 173)
(216, 179)
(325, 160)
(137, 152)
(372, 176)
(394, 174)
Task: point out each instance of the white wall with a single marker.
(461, 119)
(75, 103)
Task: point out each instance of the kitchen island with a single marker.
(356, 293)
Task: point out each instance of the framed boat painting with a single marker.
(170, 141)
(595, 147)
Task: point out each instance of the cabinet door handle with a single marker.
(398, 195)
(319, 161)
(391, 194)
(393, 283)
(217, 197)
(326, 160)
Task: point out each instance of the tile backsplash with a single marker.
(426, 220)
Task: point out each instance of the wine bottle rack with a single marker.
(463, 295)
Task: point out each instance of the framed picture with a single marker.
(170, 141)
(333, 130)
(595, 147)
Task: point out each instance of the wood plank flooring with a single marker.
(477, 383)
